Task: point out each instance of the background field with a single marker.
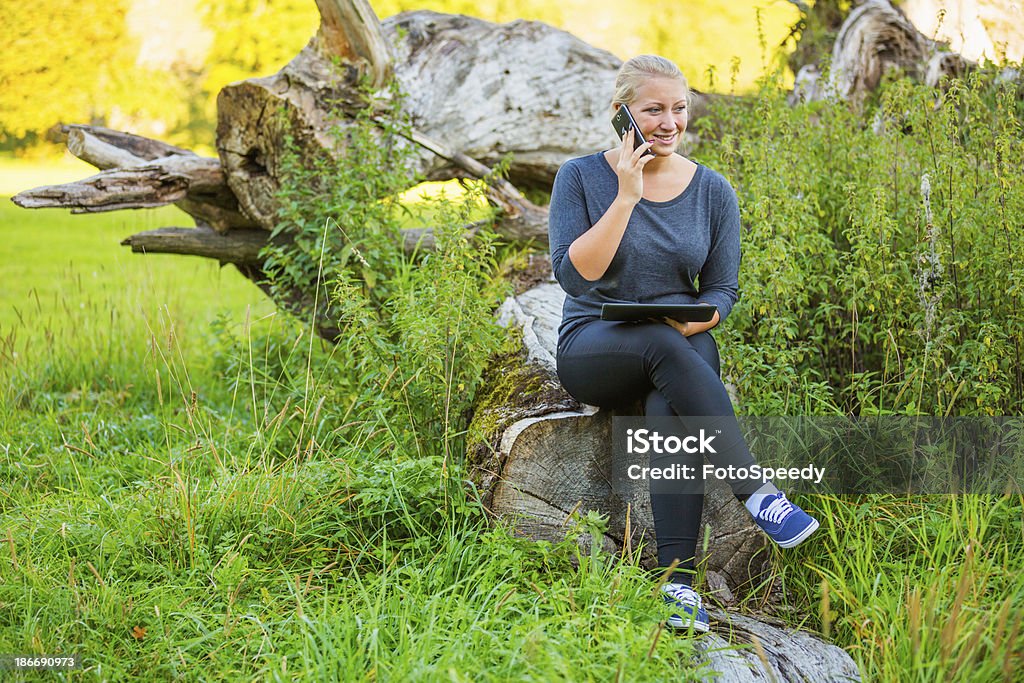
(52, 262)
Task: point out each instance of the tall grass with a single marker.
(217, 505)
(917, 589)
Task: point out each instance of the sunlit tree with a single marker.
(67, 62)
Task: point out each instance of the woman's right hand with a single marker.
(630, 168)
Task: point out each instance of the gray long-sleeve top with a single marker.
(683, 251)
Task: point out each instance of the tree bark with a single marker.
(145, 173)
(105, 148)
(242, 246)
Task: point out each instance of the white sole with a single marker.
(801, 537)
(679, 625)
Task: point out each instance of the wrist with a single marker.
(625, 200)
(697, 328)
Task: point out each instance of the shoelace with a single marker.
(777, 510)
(684, 595)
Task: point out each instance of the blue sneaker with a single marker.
(784, 522)
(690, 610)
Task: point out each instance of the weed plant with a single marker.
(881, 272)
(924, 588)
(881, 277)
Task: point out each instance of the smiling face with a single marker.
(660, 110)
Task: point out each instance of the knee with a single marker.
(666, 344)
(656, 405)
(707, 348)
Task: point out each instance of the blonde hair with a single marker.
(636, 71)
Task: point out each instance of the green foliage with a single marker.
(339, 211)
(76, 63)
(417, 328)
(880, 271)
(442, 318)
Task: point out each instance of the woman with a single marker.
(630, 226)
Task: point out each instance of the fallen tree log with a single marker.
(545, 99)
(538, 457)
(145, 173)
(137, 173)
(456, 93)
(874, 39)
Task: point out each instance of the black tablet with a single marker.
(689, 313)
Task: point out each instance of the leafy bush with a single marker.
(881, 271)
(338, 212)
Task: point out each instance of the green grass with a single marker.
(166, 534)
(52, 262)
(185, 496)
(917, 589)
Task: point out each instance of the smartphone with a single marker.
(622, 122)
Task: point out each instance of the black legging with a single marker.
(614, 364)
